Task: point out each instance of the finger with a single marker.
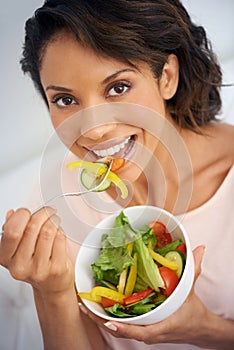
(9, 213)
(45, 240)
(112, 328)
(29, 239)
(60, 263)
(198, 253)
(43, 214)
(59, 252)
(13, 231)
(119, 329)
(7, 216)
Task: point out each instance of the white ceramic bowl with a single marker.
(138, 216)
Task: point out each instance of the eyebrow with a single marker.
(58, 88)
(113, 76)
(105, 81)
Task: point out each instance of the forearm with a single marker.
(60, 321)
(216, 333)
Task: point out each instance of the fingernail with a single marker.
(111, 326)
(82, 308)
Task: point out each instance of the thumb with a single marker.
(198, 253)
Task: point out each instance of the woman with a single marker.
(82, 54)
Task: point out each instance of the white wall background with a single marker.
(24, 120)
(25, 123)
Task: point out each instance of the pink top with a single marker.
(211, 224)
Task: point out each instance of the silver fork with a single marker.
(70, 194)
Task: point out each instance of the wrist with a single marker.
(216, 332)
(55, 297)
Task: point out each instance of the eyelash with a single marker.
(124, 84)
(56, 99)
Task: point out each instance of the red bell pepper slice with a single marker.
(106, 302)
(135, 297)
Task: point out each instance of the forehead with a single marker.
(66, 62)
(65, 52)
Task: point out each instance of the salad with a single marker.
(137, 269)
(93, 172)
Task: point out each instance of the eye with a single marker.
(64, 100)
(118, 89)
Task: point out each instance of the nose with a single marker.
(98, 132)
(98, 120)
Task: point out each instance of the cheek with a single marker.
(132, 173)
(157, 105)
(152, 100)
(55, 121)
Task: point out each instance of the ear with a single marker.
(169, 79)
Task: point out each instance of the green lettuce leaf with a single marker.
(114, 259)
(114, 255)
(147, 270)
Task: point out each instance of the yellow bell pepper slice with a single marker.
(163, 261)
(130, 247)
(108, 293)
(99, 169)
(131, 278)
(118, 183)
(123, 275)
(88, 296)
(122, 281)
(150, 246)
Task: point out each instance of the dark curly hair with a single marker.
(133, 31)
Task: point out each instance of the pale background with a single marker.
(25, 128)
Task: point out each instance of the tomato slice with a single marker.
(135, 297)
(162, 235)
(117, 164)
(182, 248)
(170, 279)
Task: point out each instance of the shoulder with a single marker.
(215, 144)
(219, 149)
(225, 128)
(212, 156)
(224, 141)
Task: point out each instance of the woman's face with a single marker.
(75, 78)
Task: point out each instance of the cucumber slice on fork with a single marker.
(90, 180)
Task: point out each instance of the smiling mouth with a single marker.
(120, 150)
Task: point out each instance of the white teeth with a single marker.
(112, 150)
